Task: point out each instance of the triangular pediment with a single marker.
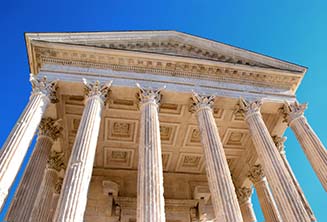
(168, 43)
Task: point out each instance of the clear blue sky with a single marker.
(291, 30)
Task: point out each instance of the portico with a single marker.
(165, 126)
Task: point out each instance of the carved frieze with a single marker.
(218, 72)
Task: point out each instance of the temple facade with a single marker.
(155, 126)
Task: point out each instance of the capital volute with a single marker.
(97, 89)
(279, 143)
(56, 161)
(243, 194)
(149, 95)
(292, 111)
(256, 173)
(45, 87)
(50, 128)
(199, 102)
(247, 108)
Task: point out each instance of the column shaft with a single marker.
(267, 202)
(150, 199)
(285, 194)
(221, 187)
(16, 146)
(73, 198)
(279, 142)
(312, 147)
(244, 198)
(42, 205)
(27, 192)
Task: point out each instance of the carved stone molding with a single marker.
(58, 185)
(279, 142)
(149, 95)
(45, 87)
(247, 108)
(199, 102)
(97, 89)
(243, 194)
(50, 128)
(56, 161)
(256, 173)
(197, 70)
(292, 111)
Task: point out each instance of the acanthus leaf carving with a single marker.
(199, 102)
(149, 95)
(44, 86)
(292, 111)
(50, 128)
(247, 108)
(56, 161)
(243, 194)
(256, 173)
(279, 142)
(97, 89)
(58, 185)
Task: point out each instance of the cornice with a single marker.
(131, 61)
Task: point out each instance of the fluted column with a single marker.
(285, 194)
(72, 201)
(22, 204)
(244, 199)
(267, 202)
(150, 199)
(221, 187)
(42, 205)
(15, 148)
(279, 142)
(310, 142)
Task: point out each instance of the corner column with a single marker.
(267, 202)
(22, 204)
(279, 142)
(150, 199)
(73, 198)
(244, 199)
(16, 146)
(285, 194)
(310, 142)
(42, 206)
(221, 187)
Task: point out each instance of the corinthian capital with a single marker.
(149, 95)
(45, 87)
(56, 161)
(256, 173)
(279, 142)
(247, 108)
(201, 102)
(292, 111)
(50, 128)
(97, 89)
(243, 194)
